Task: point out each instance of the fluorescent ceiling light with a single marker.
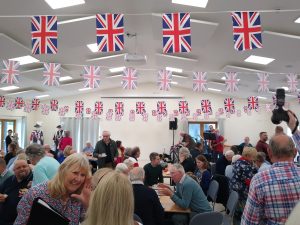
(224, 78)
(177, 57)
(105, 57)
(84, 89)
(117, 69)
(9, 88)
(179, 76)
(196, 3)
(114, 76)
(93, 47)
(174, 82)
(297, 20)
(58, 4)
(176, 70)
(65, 78)
(259, 60)
(261, 97)
(213, 89)
(76, 20)
(42, 96)
(25, 59)
(285, 88)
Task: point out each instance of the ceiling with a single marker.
(212, 44)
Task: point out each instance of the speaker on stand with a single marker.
(173, 126)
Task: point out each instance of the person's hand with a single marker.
(161, 185)
(84, 196)
(165, 191)
(293, 120)
(3, 197)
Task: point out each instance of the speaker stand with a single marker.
(173, 136)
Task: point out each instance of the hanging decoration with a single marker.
(263, 82)
(94, 116)
(184, 107)
(198, 111)
(199, 82)
(238, 113)
(292, 82)
(79, 106)
(99, 107)
(118, 117)
(229, 105)
(268, 108)
(132, 115)
(110, 32)
(159, 117)
(2, 101)
(88, 111)
(45, 109)
(51, 74)
(175, 112)
(129, 79)
(35, 104)
(206, 116)
(221, 111)
(145, 117)
(140, 107)
(206, 106)
(53, 104)
(10, 72)
(195, 116)
(62, 111)
(246, 30)
(154, 112)
(78, 115)
(91, 76)
(161, 108)
(66, 108)
(253, 103)
(119, 108)
(228, 115)
(27, 107)
(109, 114)
(231, 82)
(10, 105)
(44, 34)
(164, 80)
(19, 103)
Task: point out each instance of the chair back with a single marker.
(232, 202)
(212, 191)
(208, 218)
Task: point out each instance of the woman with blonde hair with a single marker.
(68, 192)
(112, 201)
(186, 160)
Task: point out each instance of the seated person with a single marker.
(4, 172)
(122, 168)
(88, 149)
(261, 162)
(186, 160)
(203, 176)
(153, 170)
(229, 168)
(224, 161)
(135, 154)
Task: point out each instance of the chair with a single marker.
(212, 192)
(230, 207)
(208, 218)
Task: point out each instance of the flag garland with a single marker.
(253, 103)
(183, 107)
(10, 72)
(199, 81)
(51, 74)
(292, 82)
(79, 106)
(35, 104)
(206, 106)
(98, 108)
(2, 101)
(229, 105)
(91, 76)
(164, 80)
(231, 82)
(119, 108)
(263, 82)
(129, 79)
(161, 108)
(54, 104)
(140, 107)
(19, 103)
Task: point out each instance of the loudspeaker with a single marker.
(173, 124)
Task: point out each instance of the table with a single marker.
(170, 207)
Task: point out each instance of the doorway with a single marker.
(6, 125)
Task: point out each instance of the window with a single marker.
(196, 129)
(6, 125)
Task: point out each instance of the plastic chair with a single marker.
(230, 207)
(208, 218)
(212, 191)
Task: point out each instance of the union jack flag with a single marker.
(88, 111)
(91, 76)
(206, 106)
(229, 105)
(51, 74)
(176, 32)
(231, 82)
(119, 108)
(199, 81)
(27, 107)
(140, 108)
(79, 107)
(292, 82)
(263, 82)
(94, 116)
(54, 105)
(10, 105)
(45, 109)
(164, 80)
(61, 111)
(110, 32)
(2, 101)
(161, 108)
(10, 72)
(129, 79)
(98, 107)
(35, 104)
(44, 34)
(253, 103)
(246, 30)
(19, 102)
(183, 107)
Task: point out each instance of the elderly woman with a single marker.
(122, 168)
(45, 167)
(68, 192)
(186, 160)
(135, 154)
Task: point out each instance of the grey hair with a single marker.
(185, 151)
(137, 174)
(229, 153)
(121, 167)
(35, 150)
(282, 149)
(178, 167)
(128, 162)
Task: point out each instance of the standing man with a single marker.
(246, 143)
(106, 151)
(8, 139)
(153, 170)
(217, 145)
(58, 136)
(262, 145)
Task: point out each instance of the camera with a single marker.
(279, 114)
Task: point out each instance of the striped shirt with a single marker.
(273, 194)
(296, 138)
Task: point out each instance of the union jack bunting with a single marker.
(2, 101)
(253, 103)
(10, 105)
(44, 34)
(54, 105)
(99, 107)
(129, 79)
(51, 74)
(263, 82)
(27, 107)
(45, 109)
(119, 108)
(94, 116)
(79, 107)
(66, 108)
(91, 76)
(206, 106)
(35, 104)
(229, 105)
(164, 80)
(78, 115)
(292, 82)
(145, 117)
(231, 82)
(246, 30)
(269, 107)
(176, 32)
(10, 73)
(140, 107)
(161, 108)
(61, 111)
(19, 102)
(110, 32)
(199, 81)
(154, 112)
(88, 111)
(238, 113)
(132, 115)
(183, 107)
(246, 109)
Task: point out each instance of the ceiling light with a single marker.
(76, 20)
(113, 76)
(84, 89)
(260, 97)
(117, 69)
(42, 96)
(105, 57)
(176, 70)
(285, 88)
(213, 89)
(196, 3)
(93, 47)
(58, 4)
(9, 88)
(297, 20)
(177, 57)
(259, 60)
(65, 78)
(179, 76)
(25, 59)
(174, 82)
(224, 78)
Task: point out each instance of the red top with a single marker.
(64, 142)
(218, 147)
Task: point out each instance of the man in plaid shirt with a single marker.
(275, 192)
